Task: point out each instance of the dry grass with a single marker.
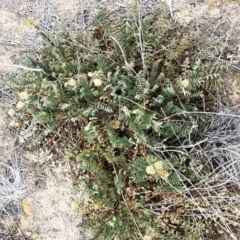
(13, 188)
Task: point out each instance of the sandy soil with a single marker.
(51, 210)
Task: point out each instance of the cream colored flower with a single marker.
(97, 82)
(11, 112)
(72, 82)
(185, 83)
(132, 2)
(20, 105)
(23, 95)
(150, 170)
(146, 237)
(158, 165)
(97, 206)
(164, 174)
(111, 223)
(90, 74)
(13, 124)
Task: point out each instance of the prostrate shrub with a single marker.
(128, 100)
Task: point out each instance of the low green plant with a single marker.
(123, 97)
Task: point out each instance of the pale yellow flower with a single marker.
(20, 105)
(185, 83)
(97, 206)
(132, 2)
(158, 165)
(146, 237)
(97, 82)
(90, 74)
(159, 168)
(23, 95)
(150, 170)
(111, 223)
(164, 174)
(72, 82)
(13, 124)
(11, 112)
